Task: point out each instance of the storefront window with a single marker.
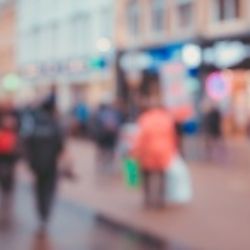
(185, 13)
(234, 103)
(158, 15)
(133, 17)
(226, 9)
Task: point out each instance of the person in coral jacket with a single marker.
(155, 146)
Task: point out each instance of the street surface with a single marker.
(71, 228)
(218, 217)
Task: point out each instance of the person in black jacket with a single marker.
(44, 145)
(213, 132)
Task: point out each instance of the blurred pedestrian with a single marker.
(212, 125)
(107, 122)
(81, 115)
(155, 146)
(44, 145)
(8, 146)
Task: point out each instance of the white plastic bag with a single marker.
(178, 182)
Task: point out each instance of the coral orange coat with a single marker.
(155, 144)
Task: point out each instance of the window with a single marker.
(54, 41)
(158, 15)
(106, 17)
(81, 34)
(133, 17)
(34, 45)
(185, 13)
(227, 9)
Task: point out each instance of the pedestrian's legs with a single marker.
(7, 178)
(161, 176)
(147, 187)
(7, 185)
(45, 189)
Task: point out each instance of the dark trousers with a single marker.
(45, 188)
(154, 187)
(6, 177)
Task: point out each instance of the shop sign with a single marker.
(226, 54)
(218, 86)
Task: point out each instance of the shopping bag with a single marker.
(178, 182)
(131, 173)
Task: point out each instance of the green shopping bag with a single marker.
(131, 173)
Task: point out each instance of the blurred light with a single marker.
(97, 63)
(103, 45)
(218, 86)
(225, 54)
(192, 55)
(228, 54)
(136, 61)
(11, 82)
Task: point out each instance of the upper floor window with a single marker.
(133, 17)
(106, 17)
(185, 13)
(158, 15)
(226, 9)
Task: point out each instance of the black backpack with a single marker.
(44, 143)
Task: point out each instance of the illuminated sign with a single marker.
(226, 54)
(218, 86)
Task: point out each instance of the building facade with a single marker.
(202, 46)
(150, 23)
(68, 44)
(7, 41)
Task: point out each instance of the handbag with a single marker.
(131, 173)
(178, 184)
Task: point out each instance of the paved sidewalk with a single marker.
(218, 217)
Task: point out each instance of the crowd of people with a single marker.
(34, 133)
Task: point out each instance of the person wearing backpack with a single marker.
(8, 146)
(44, 145)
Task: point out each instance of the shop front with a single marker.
(169, 72)
(226, 77)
